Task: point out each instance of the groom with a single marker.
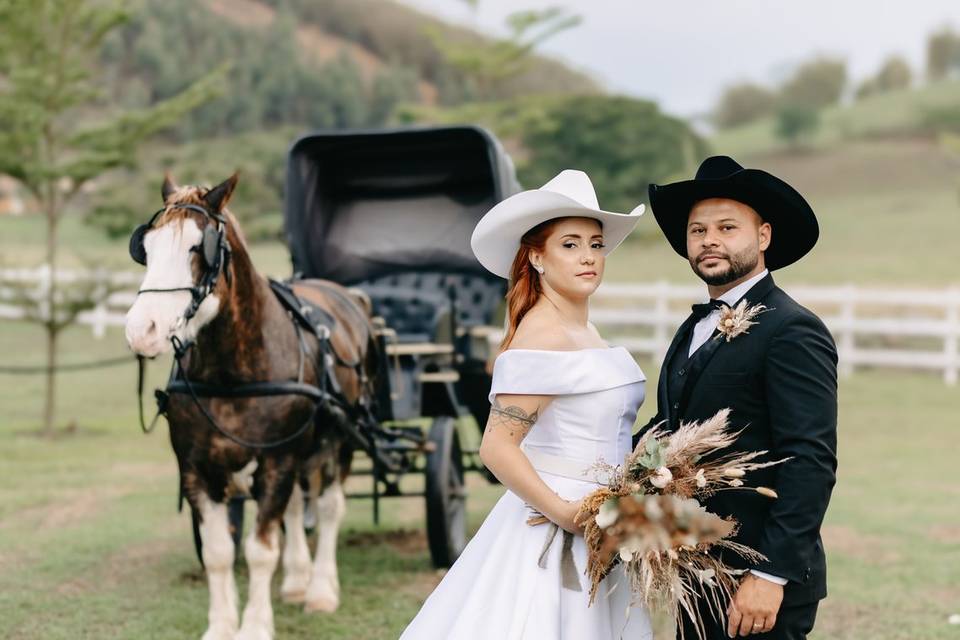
(779, 379)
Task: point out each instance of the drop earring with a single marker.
(539, 269)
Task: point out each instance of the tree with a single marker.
(743, 103)
(391, 87)
(796, 122)
(943, 54)
(489, 63)
(623, 144)
(816, 84)
(55, 133)
(894, 75)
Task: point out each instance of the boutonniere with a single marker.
(736, 320)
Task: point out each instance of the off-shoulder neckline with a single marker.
(565, 350)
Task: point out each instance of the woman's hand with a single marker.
(564, 519)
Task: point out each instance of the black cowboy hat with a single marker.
(795, 228)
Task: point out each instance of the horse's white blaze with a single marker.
(262, 556)
(218, 561)
(155, 317)
(296, 554)
(323, 594)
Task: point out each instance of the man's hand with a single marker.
(754, 607)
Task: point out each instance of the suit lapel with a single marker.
(698, 363)
(702, 356)
(663, 390)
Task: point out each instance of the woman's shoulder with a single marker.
(540, 330)
(542, 336)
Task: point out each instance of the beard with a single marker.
(741, 264)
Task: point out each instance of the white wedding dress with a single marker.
(497, 589)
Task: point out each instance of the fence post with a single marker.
(660, 328)
(99, 319)
(44, 277)
(847, 331)
(950, 343)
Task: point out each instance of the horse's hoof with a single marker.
(293, 596)
(255, 633)
(321, 604)
(294, 588)
(219, 633)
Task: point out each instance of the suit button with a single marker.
(676, 406)
(681, 372)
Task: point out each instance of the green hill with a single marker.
(884, 186)
(908, 113)
(311, 63)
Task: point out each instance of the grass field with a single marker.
(91, 545)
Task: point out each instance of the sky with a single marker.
(682, 53)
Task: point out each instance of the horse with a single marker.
(202, 298)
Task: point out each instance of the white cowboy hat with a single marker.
(496, 238)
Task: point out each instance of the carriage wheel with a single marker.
(446, 494)
(235, 513)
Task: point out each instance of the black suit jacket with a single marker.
(780, 382)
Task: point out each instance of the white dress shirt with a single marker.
(702, 332)
(705, 328)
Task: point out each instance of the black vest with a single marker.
(683, 371)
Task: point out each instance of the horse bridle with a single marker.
(215, 251)
(213, 248)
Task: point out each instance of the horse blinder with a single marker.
(211, 246)
(137, 250)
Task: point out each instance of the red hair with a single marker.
(525, 288)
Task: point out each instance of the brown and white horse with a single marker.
(242, 334)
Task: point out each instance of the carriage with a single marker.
(391, 213)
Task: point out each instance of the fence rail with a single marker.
(23, 294)
(872, 327)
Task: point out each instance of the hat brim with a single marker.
(795, 227)
(496, 238)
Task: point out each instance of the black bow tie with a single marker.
(701, 311)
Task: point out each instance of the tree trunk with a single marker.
(50, 323)
(50, 397)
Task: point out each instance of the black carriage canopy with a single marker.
(365, 204)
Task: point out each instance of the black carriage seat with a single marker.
(416, 316)
(415, 304)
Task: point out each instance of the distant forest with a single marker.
(313, 63)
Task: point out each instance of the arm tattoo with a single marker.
(513, 418)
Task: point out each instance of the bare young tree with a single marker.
(56, 134)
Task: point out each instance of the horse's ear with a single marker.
(169, 186)
(217, 198)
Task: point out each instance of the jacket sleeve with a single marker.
(636, 437)
(801, 388)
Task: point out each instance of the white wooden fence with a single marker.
(31, 286)
(883, 328)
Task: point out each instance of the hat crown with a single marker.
(575, 185)
(718, 168)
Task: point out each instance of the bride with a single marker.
(561, 400)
